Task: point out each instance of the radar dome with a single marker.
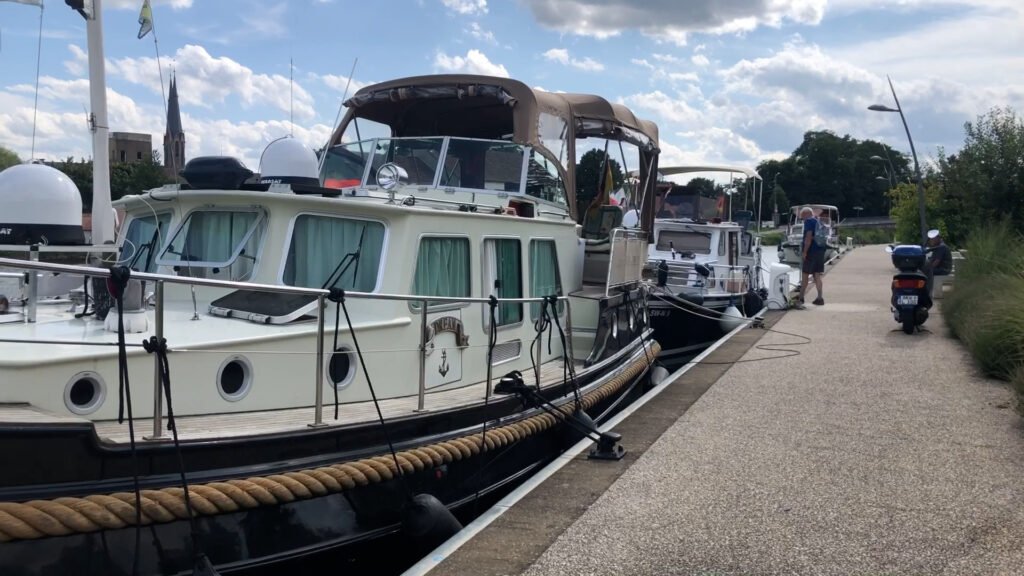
(289, 161)
(39, 205)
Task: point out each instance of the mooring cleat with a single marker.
(608, 447)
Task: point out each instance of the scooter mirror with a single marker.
(888, 249)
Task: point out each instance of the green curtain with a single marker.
(212, 236)
(320, 242)
(509, 271)
(544, 279)
(442, 268)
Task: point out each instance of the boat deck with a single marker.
(267, 422)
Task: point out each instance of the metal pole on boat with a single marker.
(158, 398)
(33, 284)
(423, 357)
(318, 417)
(102, 213)
(568, 327)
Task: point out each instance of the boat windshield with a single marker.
(442, 162)
(685, 241)
(215, 238)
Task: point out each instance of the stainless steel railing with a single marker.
(160, 280)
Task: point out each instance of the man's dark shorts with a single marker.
(815, 262)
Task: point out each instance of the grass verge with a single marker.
(985, 310)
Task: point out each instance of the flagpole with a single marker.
(160, 69)
(39, 59)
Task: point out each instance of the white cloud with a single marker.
(561, 55)
(204, 80)
(62, 131)
(267, 21)
(338, 83)
(483, 35)
(135, 4)
(474, 62)
(467, 7)
(671, 20)
(700, 60)
(664, 106)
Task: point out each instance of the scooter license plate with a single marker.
(906, 300)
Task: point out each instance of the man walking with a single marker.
(813, 256)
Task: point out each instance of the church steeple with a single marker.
(174, 137)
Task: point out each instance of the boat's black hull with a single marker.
(70, 461)
(684, 328)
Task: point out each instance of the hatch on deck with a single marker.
(264, 307)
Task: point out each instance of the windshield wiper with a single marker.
(346, 261)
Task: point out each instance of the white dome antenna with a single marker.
(288, 161)
(39, 205)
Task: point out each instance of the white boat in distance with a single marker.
(828, 217)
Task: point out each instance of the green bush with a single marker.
(771, 238)
(986, 308)
(862, 236)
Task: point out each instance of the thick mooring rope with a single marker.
(70, 515)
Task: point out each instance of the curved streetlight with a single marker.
(890, 173)
(913, 152)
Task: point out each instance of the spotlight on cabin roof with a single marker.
(288, 161)
(39, 205)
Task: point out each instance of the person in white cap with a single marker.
(940, 259)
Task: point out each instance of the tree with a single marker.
(829, 169)
(905, 211)
(588, 177)
(984, 182)
(8, 158)
(705, 187)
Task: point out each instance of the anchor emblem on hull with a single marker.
(443, 368)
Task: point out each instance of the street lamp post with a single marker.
(890, 174)
(913, 152)
(775, 202)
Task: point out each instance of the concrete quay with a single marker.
(863, 451)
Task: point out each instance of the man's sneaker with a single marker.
(819, 301)
(798, 305)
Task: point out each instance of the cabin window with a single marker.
(553, 132)
(144, 236)
(224, 240)
(543, 180)
(442, 268)
(684, 241)
(418, 157)
(344, 165)
(544, 276)
(503, 277)
(322, 246)
(483, 165)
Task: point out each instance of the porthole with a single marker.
(234, 378)
(84, 393)
(341, 367)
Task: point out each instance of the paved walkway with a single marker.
(872, 452)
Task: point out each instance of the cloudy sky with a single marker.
(726, 80)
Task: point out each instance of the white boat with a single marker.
(428, 288)
(707, 272)
(791, 247)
